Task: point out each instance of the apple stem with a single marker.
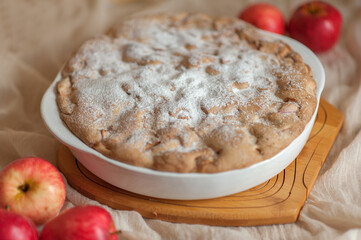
(24, 188)
(314, 10)
(116, 232)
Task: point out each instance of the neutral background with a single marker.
(37, 36)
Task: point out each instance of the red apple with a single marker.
(264, 16)
(317, 25)
(80, 223)
(32, 187)
(16, 227)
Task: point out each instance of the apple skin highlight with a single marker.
(32, 187)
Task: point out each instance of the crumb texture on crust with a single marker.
(186, 93)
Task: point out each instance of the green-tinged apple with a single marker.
(32, 187)
(264, 16)
(80, 223)
(16, 227)
(317, 25)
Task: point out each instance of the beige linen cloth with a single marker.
(37, 36)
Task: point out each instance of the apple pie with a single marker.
(186, 93)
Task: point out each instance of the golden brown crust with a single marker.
(105, 101)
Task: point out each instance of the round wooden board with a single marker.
(279, 200)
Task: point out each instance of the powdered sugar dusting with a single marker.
(159, 72)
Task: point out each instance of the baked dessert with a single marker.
(186, 93)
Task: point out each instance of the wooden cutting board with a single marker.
(278, 200)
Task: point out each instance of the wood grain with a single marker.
(278, 200)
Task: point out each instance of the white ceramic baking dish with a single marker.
(182, 186)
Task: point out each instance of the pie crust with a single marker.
(186, 93)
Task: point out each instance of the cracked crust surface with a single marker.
(186, 93)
